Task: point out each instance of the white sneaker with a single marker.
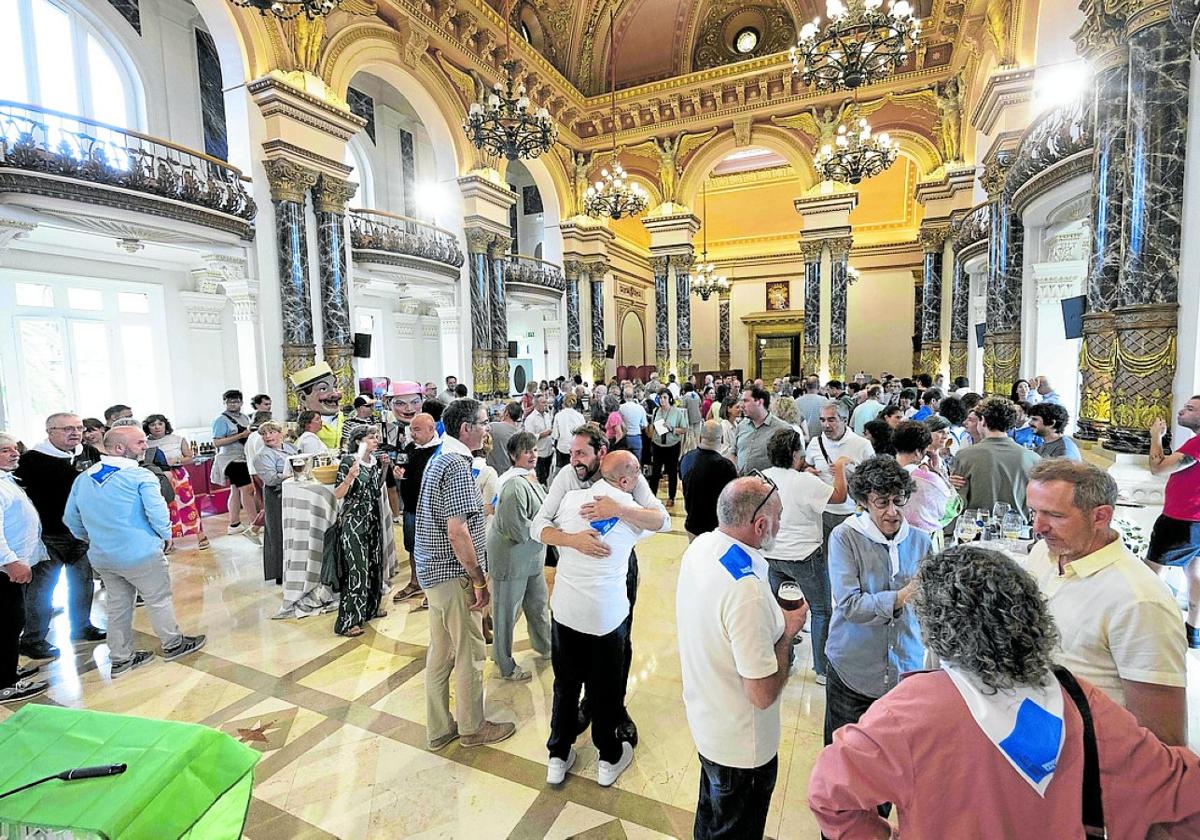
(556, 770)
(820, 679)
(236, 529)
(607, 773)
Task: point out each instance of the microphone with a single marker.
(97, 772)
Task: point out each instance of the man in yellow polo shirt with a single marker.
(318, 391)
(1120, 628)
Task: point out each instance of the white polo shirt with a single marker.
(728, 624)
(854, 446)
(590, 594)
(535, 424)
(1115, 617)
(804, 497)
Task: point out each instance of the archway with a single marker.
(632, 349)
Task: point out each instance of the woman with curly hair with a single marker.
(873, 557)
(992, 746)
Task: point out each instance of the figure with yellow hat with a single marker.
(317, 390)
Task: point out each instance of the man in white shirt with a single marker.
(566, 421)
(673, 386)
(836, 441)
(589, 607)
(447, 396)
(646, 512)
(20, 550)
(734, 642)
(538, 425)
(867, 410)
(1120, 629)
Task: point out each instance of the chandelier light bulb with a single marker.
(834, 9)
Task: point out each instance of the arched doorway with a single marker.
(633, 340)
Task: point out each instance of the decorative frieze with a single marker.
(204, 310)
(289, 181)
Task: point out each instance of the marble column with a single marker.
(1145, 318)
(498, 258)
(1002, 343)
(330, 196)
(662, 331)
(479, 287)
(572, 270)
(289, 182)
(933, 243)
(810, 352)
(1097, 355)
(681, 265)
(723, 352)
(918, 276)
(960, 318)
(839, 262)
(596, 272)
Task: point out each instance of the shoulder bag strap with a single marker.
(1093, 806)
(824, 451)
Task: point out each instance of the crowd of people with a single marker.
(848, 509)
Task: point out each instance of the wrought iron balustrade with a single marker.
(40, 140)
(974, 227)
(1053, 137)
(535, 272)
(375, 230)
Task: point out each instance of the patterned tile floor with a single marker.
(340, 722)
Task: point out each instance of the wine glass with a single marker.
(967, 527)
(999, 511)
(1011, 528)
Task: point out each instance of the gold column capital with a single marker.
(288, 180)
(811, 249)
(933, 237)
(839, 247)
(331, 195)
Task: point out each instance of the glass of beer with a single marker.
(790, 596)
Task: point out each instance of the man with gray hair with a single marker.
(734, 643)
(117, 509)
(705, 472)
(1121, 630)
(21, 550)
(46, 472)
(835, 441)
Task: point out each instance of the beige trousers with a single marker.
(455, 644)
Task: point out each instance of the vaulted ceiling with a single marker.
(659, 39)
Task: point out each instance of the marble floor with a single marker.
(340, 722)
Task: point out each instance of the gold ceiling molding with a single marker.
(712, 46)
(738, 181)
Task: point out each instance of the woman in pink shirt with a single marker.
(934, 501)
(991, 746)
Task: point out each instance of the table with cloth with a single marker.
(183, 779)
(309, 508)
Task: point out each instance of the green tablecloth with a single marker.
(184, 780)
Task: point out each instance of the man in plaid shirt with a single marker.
(451, 561)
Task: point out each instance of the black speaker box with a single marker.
(362, 345)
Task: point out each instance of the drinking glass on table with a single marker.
(1011, 528)
(999, 511)
(967, 528)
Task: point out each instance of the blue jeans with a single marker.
(65, 552)
(812, 573)
(734, 800)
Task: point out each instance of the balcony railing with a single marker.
(534, 272)
(375, 230)
(39, 140)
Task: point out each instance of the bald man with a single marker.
(705, 472)
(117, 508)
(422, 445)
(589, 607)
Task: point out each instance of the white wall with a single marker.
(879, 322)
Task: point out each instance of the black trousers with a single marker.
(12, 620)
(581, 659)
(844, 705)
(666, 459)
(543, 470)
(631, 587)
(733, 801)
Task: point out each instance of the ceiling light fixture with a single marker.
(614, 195)
(288, 9)
(746, 40)
(705, 280)
(502, 122)
(856, 153)
(861, 44)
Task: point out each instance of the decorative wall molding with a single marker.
(12, 230)
(203, 309)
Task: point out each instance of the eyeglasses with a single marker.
(883, 504)
(762, 477)
(66, 428)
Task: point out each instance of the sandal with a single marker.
(354, 631)
(204, 545)
(424, 605)
(407, 592)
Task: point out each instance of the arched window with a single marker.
(52, 57)
(356, 159)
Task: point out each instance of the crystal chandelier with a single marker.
(614, 195)
(501, 123)
(705, 281)
(288, 9)
(855, 153)
(861, 44)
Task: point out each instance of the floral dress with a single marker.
(362, 546)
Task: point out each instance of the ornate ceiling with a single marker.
(660, 39)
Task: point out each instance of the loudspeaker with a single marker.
(1072, 311)
(979, 331)
(362, 345)
(610, 352)
(512, 349)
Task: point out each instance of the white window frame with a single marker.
(17, 379)
(81, 28)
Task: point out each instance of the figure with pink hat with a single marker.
(404, 398)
